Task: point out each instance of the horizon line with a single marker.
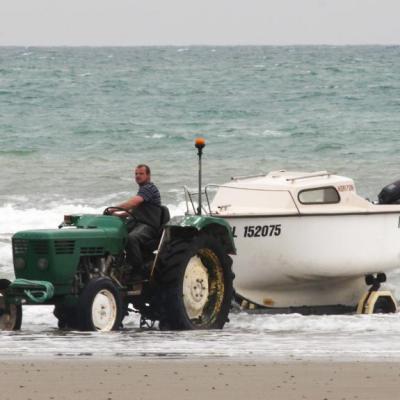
(203, 45)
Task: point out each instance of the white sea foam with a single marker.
(6, 269)
(155, 136)
(267, 133)
(15, 219)
(273, 133)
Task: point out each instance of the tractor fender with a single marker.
(191, 225)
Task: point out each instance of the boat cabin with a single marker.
(291, 193)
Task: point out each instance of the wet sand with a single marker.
(135, 379)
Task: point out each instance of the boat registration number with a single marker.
(259, 230)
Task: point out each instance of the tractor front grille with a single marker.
(64, 246)
(20, 246)
(40, 247)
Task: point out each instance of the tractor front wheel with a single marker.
(100, 306)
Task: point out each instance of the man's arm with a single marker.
(128, 205)
(131, 203)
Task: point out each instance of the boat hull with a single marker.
(312, 260)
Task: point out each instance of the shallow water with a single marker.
(248, 337)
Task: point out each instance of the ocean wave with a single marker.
(328, 146)
(22, 152)
(268, 133)
(155, 136)
(333, 69)
(14, 219)
(11, 199)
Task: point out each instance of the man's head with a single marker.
(142, 174)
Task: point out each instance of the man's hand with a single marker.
(119, 213)
(116, 211)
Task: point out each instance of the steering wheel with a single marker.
(110, 210)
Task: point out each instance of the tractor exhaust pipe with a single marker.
(199, 144)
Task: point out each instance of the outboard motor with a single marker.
(390, 194)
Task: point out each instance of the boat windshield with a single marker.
(225, 199)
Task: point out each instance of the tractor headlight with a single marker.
(42, 263)
(19, 263)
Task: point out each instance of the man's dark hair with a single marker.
(146, 167)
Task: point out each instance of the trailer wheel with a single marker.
(100, 306)
(198, 284)
(10, 316)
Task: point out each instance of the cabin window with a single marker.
(326, 195)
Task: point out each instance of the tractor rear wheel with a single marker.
(100, 306)
(197, 283)
(10, 316)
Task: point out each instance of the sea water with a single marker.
(75, 121)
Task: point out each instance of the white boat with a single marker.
(306, 239)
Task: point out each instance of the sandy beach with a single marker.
(110, 379)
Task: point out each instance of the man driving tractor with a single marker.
(145, 206)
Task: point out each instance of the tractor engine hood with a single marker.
(54, 254)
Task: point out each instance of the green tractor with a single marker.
(81, 269)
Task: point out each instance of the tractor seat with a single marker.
(152, 244)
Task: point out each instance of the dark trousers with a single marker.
(140, 234)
